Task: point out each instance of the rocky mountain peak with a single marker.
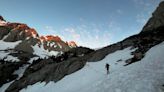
(22, 27)
(157, 18)
(19, 31)
(28, 37)
(50, 38)
(1, 18)
(2, 21)
(72, 44)
(53, 38)
(32, 32)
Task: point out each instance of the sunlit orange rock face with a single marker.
(51, 42)
(50, 38)
(72, 44)
(20, 31)
(42, 38)
(31, 32)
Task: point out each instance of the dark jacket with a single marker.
(107, 66)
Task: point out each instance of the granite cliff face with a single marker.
(156, 20)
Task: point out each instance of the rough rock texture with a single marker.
(101, 53)
(21, 32)
(79, 51)
(4, 31)
(24, 46)
(143, 41)
(50, 69)
(156, 20)
(72, 44)
(51, 42)
(6, 71)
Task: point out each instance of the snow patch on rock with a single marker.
(8, 45)
(5, 86)
(21, 71)
(42, 53)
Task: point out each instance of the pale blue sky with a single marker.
(91, 23)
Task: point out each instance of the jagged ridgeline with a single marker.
(48, 58)
(19, 38)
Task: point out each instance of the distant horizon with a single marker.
(90, 23)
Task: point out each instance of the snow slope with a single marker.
(21, 71)
(144, 76)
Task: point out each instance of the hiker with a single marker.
(107, 68)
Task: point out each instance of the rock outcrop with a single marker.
(72, 44)
(155, 23)
(21, 32)
(156, 20)
(51, 42)
(4, 31)
(51, 69)
(6, 71)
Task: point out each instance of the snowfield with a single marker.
(144, 76)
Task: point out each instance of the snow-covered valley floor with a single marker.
(146, 75)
